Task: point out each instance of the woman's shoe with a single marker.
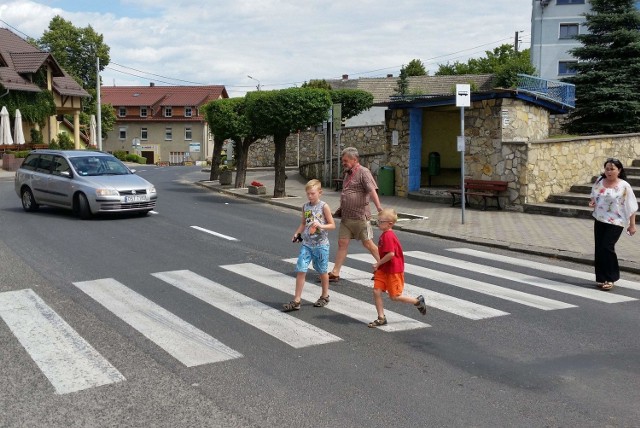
(607, 286)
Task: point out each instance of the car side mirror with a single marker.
(65, 174)
(133, 171)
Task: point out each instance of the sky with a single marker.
(279, 43)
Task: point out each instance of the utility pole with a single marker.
(515, 42)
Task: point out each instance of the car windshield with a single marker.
(98, 165)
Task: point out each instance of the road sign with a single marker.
(463, 95)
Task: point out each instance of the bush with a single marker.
(120, 155)
(63, 142)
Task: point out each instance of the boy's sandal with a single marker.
(378, 322)
(291, 306)
(607, 286)
(422, 305)
(321, 302)
(332, 278)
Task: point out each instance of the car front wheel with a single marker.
(28, 202)
(84, 211)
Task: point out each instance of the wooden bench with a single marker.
(487, 189)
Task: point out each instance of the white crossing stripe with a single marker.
(282, 326)
(542, 266)
(433, 299)
(183, 341)
(536, 281)
(211, 232)
(69, 362)
(340, 303)
(480, 287)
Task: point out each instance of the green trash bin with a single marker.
(386, 181)
(434, 163)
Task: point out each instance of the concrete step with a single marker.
(558, 210)
(570, 198)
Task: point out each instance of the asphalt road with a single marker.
(542, 350)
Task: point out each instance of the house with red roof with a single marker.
(161, 123)
(28, 70)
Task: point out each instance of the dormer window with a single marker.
(188, 112)
(143, 112)
(168, 112)
(122, 111)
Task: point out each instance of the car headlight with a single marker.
(152, 189)
(107, 192)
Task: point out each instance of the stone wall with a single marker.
(398, 155)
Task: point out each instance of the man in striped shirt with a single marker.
(358, 188)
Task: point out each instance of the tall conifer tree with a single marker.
(608, 70)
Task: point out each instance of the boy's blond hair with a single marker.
(311, 184)
(389, 214)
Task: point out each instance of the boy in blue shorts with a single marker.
(312, 231)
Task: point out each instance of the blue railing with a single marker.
(552, 90)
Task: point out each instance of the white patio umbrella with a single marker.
(5, 128)
(18, 133)
(92, 129)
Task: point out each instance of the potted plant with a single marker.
(257, 188)
(226, 175)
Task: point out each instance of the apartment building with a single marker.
(161, 123)
(554, 25)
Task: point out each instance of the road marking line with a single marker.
(433, 299)
(282, 326)
(522, 278)
(480, 287)
(69, 362)
(211, 232)
(589, 276)
(183, 341)
(340, 303)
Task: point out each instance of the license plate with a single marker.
(135, 198)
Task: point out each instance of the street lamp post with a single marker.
(253, 78)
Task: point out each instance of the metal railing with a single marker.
(552, 90)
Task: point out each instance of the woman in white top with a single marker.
(615, 208)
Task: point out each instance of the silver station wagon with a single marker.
(86, 182)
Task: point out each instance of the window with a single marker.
(123, 133)
(168, 134)
(568, 31)
(168, 112)
(143, 112)
(569, 1)
(144, 134)
(187, 133)
(31, 162)
(46, 161)
(60, 164)
(122, 111)
(188, 112)
(567, 68)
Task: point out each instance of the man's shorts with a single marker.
(355, 229)
(392, 283)
(319, 255)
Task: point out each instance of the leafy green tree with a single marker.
(504, 61)
(317, 83)
(227, 119)
(354, 101)
(415, 68)
(608, 79)
(76, 50)
(403, 82)
(278, 113)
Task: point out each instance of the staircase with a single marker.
(575, 203)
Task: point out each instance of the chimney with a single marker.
(345, 77)
(389, 75)
(152, 84)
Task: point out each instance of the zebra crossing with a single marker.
(71, 364)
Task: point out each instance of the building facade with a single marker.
(554, 25)
(161, 123)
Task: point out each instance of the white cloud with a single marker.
(279, 42)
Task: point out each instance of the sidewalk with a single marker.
(557, 237)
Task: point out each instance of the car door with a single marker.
(40, 178)
(60, 184)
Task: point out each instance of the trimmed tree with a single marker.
(608, 71)
(278, 113)
(227, 120)
(354, 101)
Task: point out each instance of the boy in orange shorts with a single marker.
(389, 271)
